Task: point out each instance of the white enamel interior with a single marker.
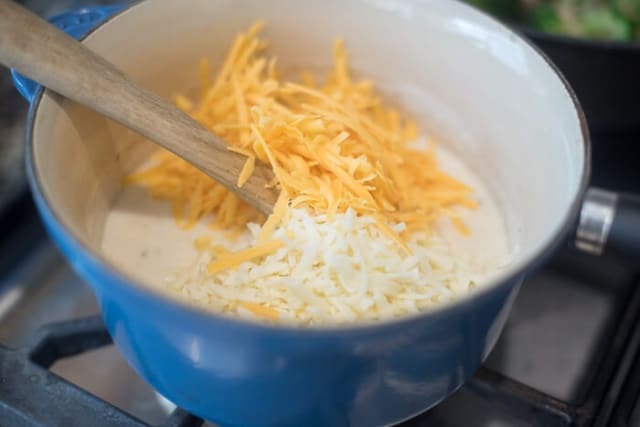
(483, 91)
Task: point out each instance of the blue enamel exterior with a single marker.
(242, 374)
(239, 374)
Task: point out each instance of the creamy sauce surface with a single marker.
(142, 238)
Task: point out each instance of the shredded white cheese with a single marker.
(329, 272)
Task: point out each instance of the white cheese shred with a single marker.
(328, 272)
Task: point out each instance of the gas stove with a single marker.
(569, 355)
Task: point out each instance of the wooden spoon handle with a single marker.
(42, 52)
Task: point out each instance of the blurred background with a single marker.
(612, 20)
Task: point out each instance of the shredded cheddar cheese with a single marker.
(235, 259)
(260, 310)
(331, 147)
(336, 151)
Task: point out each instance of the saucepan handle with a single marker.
(610, 224)
(75, 23)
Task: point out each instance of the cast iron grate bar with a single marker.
(627, 410)
(521, 400)
(56, 341)
(623, 390)
(33, 396)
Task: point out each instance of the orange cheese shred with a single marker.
(279, 212)
(247, 170)
(260, 310)
(332, 145)
(234, 259)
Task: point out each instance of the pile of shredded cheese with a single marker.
(351, 232)
(328, 272)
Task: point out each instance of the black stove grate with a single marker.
(34, 396)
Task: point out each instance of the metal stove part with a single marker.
(621, 406)
(596, 217)
(548, 343)
(34, 396)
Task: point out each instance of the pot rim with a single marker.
(138, 288)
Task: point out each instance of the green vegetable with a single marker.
(544, 17)
(606, 24)
(628, 9)
(617, 20)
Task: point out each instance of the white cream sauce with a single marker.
(141, 237)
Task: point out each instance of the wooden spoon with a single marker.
(40, 51)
